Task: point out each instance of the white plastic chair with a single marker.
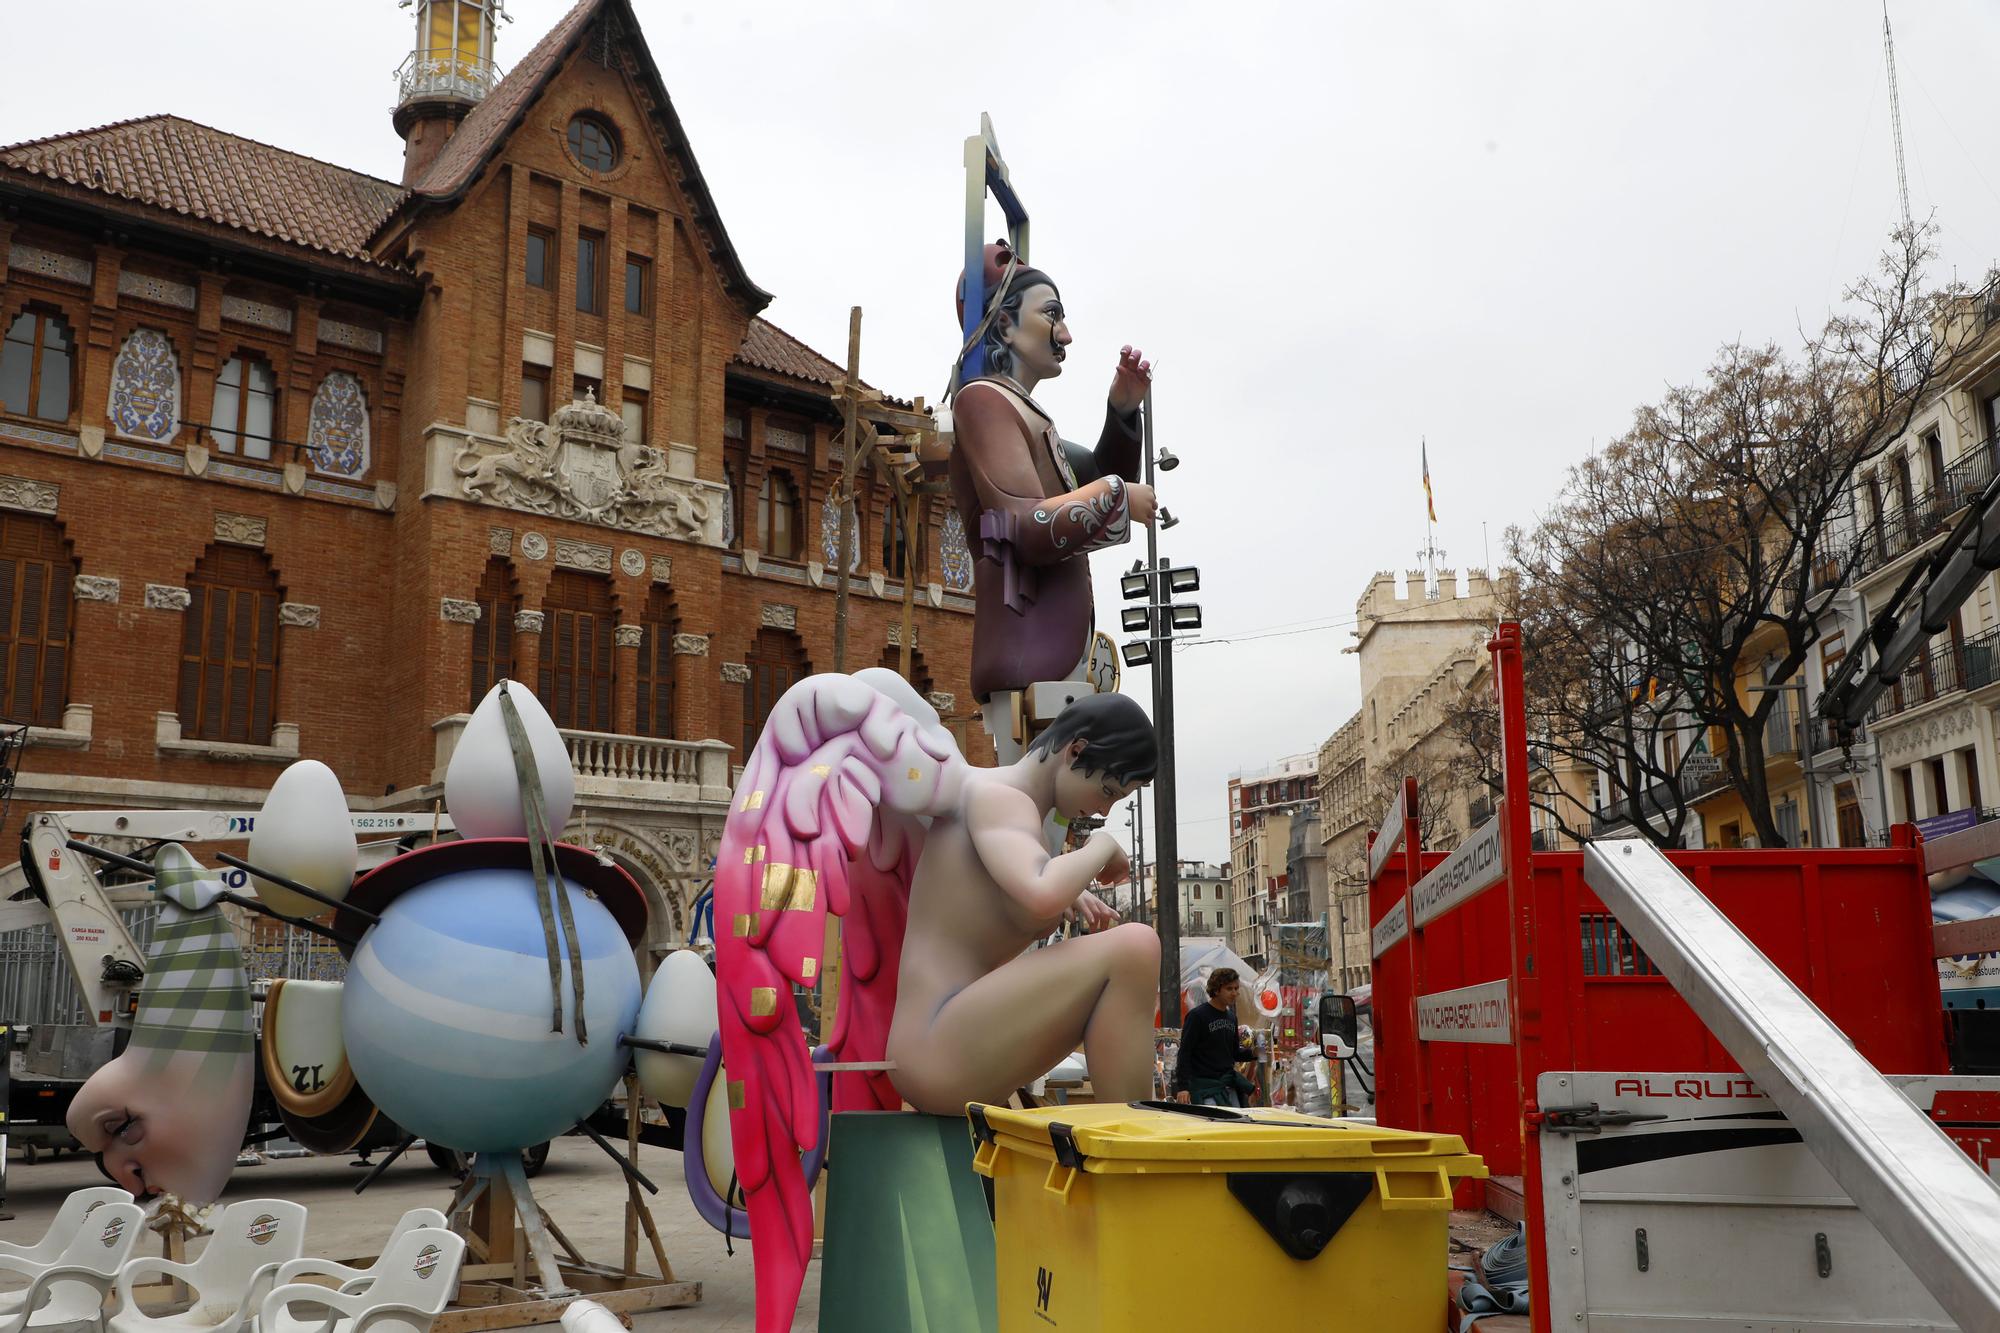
(67, 1219)
(247, 1245)
(413, 1281)
(70, 1292)
(357, 1279)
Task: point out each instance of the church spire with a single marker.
(449, 70)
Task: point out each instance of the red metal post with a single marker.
(1413, 870)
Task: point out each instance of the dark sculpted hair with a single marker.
(1117, 735)
(999, 356)
(1222, 976)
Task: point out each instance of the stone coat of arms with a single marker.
(580, 466)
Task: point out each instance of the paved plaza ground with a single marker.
(580, 1188)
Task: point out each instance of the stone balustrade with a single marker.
(633, 767)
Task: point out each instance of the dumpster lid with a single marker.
(1167, 1132)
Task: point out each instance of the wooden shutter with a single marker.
(576, 667)
(493, 632)
(36, 578)
(656, 665)
(229, 648)
(777, 662)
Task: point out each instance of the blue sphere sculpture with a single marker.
(447, 1009)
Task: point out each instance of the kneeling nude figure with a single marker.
(976, 1016)
(855, 801)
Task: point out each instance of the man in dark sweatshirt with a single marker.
(1211, 1048)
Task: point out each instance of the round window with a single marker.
(592, 143)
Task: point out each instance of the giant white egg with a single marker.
(718, 1153)
(679, 1007)
(304, 834)
(480, 787)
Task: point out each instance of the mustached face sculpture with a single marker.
(168, 1115)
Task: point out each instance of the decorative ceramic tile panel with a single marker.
(349, 335)
(783, 437)
(829, 535)
(145, 399)
(160, 291)
(954, 554)
(265, 316)
(337, 433)
(34, 259)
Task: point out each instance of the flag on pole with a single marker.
(1430, 501)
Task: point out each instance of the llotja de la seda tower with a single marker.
(298, 461)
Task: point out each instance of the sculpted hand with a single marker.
(1129, 381)
(1095, 913)
(1142, 501)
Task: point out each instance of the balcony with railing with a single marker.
(1969, 664)
(1781, 732)
(617, 766)
(1824, 736)
(1906, 526)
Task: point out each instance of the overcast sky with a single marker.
(1339, 228)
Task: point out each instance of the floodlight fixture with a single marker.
(1136, 619)
(1138, 583)
(1184, 579)
(1138, 653)
(1166, 461)
(1187, 617)
(1167, 520)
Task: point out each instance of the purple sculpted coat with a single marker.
(1033, 510)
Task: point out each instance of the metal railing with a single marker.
(444, 72)
(1821, 733)
(1945, 669)
(1781, 734)
(1965, 479)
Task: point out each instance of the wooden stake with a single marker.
(850, 460)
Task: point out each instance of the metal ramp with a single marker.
(1930, 1202)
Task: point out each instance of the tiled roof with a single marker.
(768, 347)
(199, 172)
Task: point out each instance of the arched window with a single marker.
(36, 574)
(777, 662)
(576, 679)
(493, 632)
(656, 664)
(229, 648)
(778, 517)
(37, 364)
(246, 403)
(901, 556)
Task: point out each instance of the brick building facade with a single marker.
(290, 463)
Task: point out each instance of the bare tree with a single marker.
(1694, 551)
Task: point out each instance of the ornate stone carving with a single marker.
(529, 622)
(778, 616)
(628, 636)
(160, 597)
(681, 844)
(160, 291)
(301, 616)
(96, 588)
(663, 569)
(458, 611)
(534, 546)
(735, 673)
(500, 541)
(691, 645)
(580, 466)
(632, 561)
(783, 437)
(586, 556)
(246, 311)
(385, 495)
(30, 497)
(240, 529)
(1928, 734)
(349, 335)
(37, 260)
(942, 701)
(896, 635)
(145, 402)
(337, 430)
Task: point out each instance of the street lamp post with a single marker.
(1154, 584)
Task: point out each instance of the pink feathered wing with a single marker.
(830, 815)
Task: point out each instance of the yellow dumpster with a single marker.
(1155, 1217)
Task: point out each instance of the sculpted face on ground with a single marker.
(164, 1121)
